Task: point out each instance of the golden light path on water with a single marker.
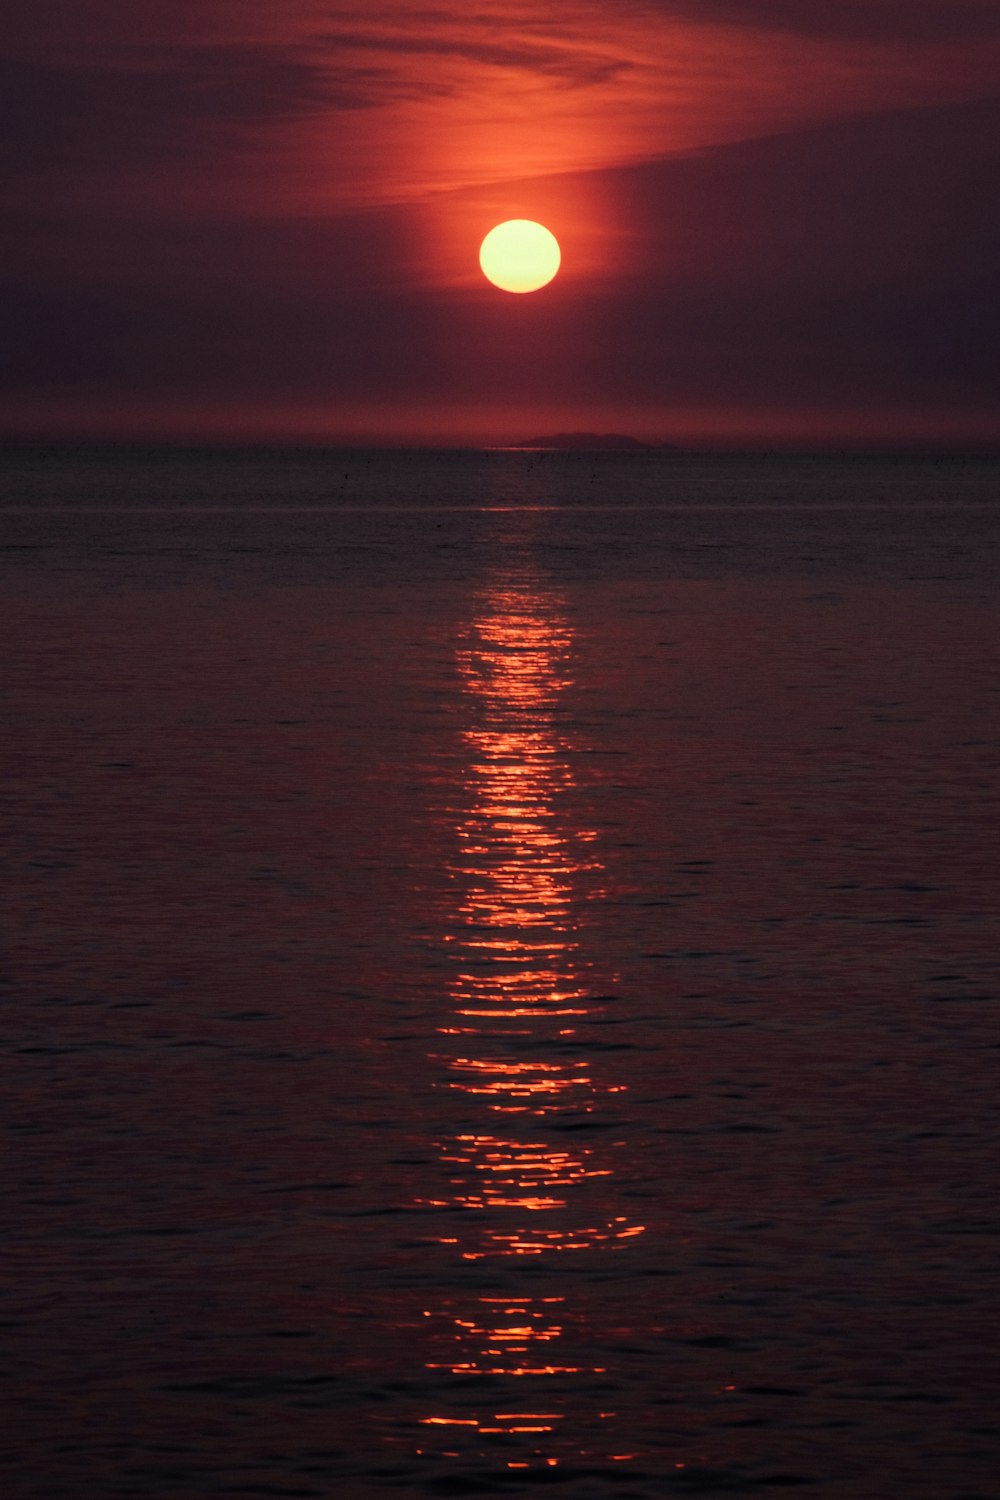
(530, 1189)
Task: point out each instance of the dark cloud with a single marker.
(574, 62)
(901, 21)
(147, 104)
(158, 103)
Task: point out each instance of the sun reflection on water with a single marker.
(524, 1079)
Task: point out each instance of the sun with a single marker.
(520, 256)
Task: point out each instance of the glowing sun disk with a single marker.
(520, 256)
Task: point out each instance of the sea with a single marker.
(500, 974)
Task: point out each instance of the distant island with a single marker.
(608, 442)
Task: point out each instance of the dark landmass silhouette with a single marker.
(608, 442)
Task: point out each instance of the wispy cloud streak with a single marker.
(250, 106)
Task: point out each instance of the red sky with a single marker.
(778, 218)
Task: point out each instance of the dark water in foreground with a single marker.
(501, 976)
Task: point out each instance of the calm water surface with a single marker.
(500, 979)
